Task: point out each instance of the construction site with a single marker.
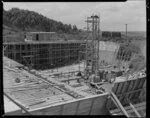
(94, 76)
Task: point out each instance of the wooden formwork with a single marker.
(95, 105)
(134, 90)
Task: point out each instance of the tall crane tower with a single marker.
(92, 45)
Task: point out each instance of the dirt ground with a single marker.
(142, 45)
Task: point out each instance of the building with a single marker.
(41, 36)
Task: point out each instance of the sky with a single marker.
(113, 15)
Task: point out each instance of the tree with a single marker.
(29, 20)
(75, 28)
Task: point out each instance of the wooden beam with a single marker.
(117, 102)
(138, 106)
(129, 92)
(91, 107)
(77, 108)
(135, 110)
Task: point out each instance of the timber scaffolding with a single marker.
(44, 55)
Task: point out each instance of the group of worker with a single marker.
(104, 75)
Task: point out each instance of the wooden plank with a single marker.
(138, 82)
(135, 88)
(119, 89)
(125, 87)
(137, 106)
(37, 112)
(121, 99)
(78, 104)
(142, 83)
(141, 94)
(114, 89)
(91, 107)
(136, 95)
(84, 107)
(135, 110)
(61, 110)
(108, 103)
(132, 89)
(114, 97)
(130, 85)
(99, 106)
(128, 89)
(44, 104)
(52, 110)
(70, 108)
(135, 84)
(141, 86)
(111, 104)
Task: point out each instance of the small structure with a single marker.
(41, 36)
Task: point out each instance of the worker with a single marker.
(108, 76)
(112, 78)
(96, 79)
(104, 75)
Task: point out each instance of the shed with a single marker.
(41, 36)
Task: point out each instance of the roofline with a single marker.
(40, 32)
(43, 42)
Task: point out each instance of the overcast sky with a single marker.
(113, 15)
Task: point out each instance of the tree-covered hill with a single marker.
(26, 20)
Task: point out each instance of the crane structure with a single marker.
(92, 45)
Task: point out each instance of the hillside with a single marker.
(26, 20)
(137, 35)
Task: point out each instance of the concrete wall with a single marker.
(108, 51)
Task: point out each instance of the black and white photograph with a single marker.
(74, 58)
